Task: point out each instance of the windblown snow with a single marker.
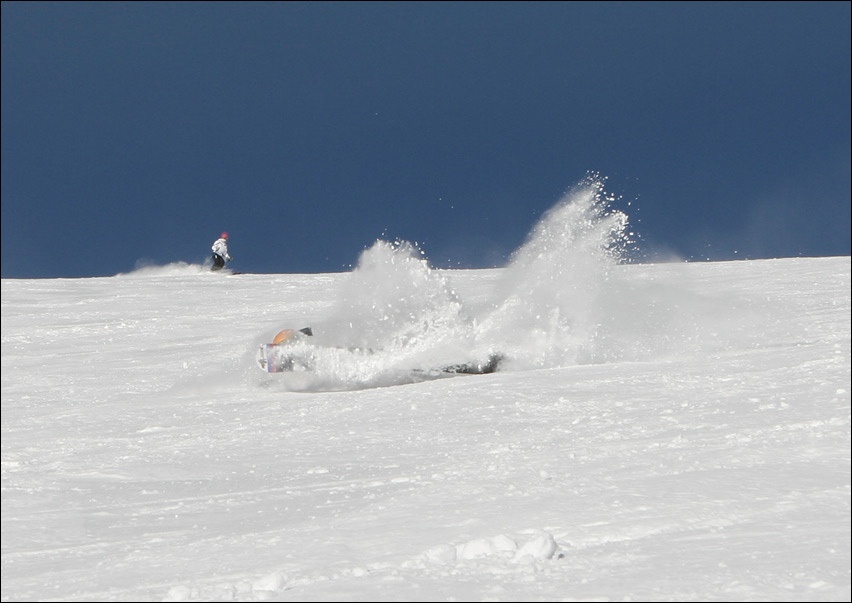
(658, 432)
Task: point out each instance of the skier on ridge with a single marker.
(220, 252)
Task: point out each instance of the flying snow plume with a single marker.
(394, 299)
(150, 268)
(564, 299)
(547, 308)
(395, 318)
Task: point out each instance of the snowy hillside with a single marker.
(663, 432)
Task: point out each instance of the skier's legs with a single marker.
(218, 262)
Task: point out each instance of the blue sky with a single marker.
(134, 133)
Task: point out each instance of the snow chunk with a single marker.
(441, 554)
(485, 547)
(271, 582)
(542, 546)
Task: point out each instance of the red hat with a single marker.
(224, 235)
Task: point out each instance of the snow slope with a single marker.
(661, 432)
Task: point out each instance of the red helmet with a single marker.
(224, 235)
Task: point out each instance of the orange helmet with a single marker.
(283, 336)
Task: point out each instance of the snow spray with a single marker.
(544, 309)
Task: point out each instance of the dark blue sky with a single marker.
(136, 132)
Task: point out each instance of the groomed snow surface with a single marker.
(658, 432)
